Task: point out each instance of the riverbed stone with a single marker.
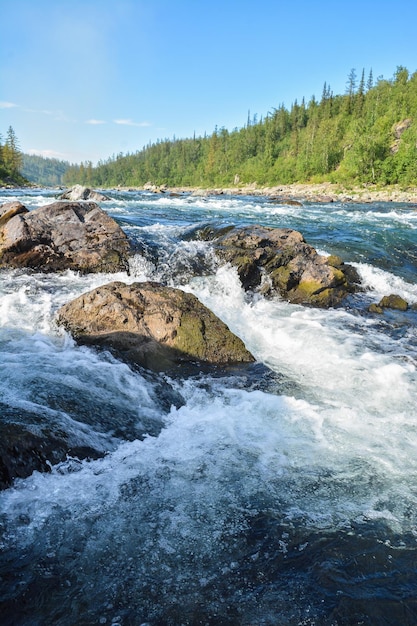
(393, 301)
(152, 325)
(79, 192)
(375, 308)
(64, 235)
(278, 261)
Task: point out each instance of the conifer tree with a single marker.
(360, 95)
(1, 151)
(370, 81)
(11, 153)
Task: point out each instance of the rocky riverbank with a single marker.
(305, 192)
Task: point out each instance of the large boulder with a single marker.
(152, 325)
(279, 261)
(79, 192)
(62, 235)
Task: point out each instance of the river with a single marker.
(280, 494)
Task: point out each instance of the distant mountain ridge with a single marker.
(43, 171)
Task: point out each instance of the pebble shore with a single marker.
(321, 192)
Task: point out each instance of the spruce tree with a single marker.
(370, 82)
(11, 153)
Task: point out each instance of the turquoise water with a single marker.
(280, 494)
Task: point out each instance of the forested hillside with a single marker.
(366, 135)
(44, 171)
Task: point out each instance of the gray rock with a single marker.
(152, 325)
(9, 210)
(79, 192)
(64, 235)
(279, 261)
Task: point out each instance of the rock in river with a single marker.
(152, 325)
(279, 261)
(78, 192)
(23, 451)
(62, 235)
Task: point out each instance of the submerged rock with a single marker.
(62, 235)
(152, 325)
(285, 200)
(375, 308)
(22, 451)
(279, 261)
(78, 192)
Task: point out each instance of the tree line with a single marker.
(44, 171)
(366, 135)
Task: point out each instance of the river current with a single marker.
(284, 493)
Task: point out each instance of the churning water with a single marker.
(280, 494)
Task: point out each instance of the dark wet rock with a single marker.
(279, 261)
(64, 235)
(78, 192)
(22, 451)
(76, 426)
(393, 301)
(284, 200)
(207, 232)
(152, 325)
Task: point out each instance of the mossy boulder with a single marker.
(393, 301)
(152, 325)
(280, 261)
(374, 308)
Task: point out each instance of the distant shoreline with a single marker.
(315, 192)
(298, 192)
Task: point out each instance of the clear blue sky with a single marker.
(86, 79)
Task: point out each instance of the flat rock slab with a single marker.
(152, 325)
(63, 235)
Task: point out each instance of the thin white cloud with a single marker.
(8, 105)
(43, 111)
(129, 122)
(95, 122)
(59, 116)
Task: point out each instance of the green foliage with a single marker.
(43, 171)
(10, 160)
(367, 135)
